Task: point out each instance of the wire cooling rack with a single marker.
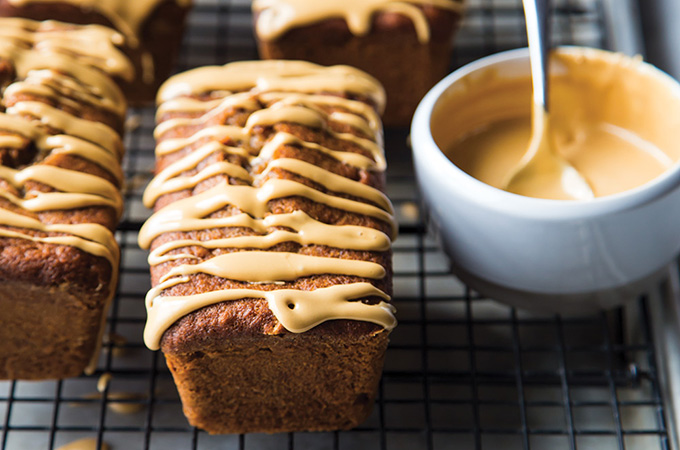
(462, 371)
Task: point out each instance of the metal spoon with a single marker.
(542, 172)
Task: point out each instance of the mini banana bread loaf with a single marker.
(406, 44)
(60, 175)
(151, 29)
(270, 245)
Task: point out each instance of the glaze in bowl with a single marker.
(549, 255)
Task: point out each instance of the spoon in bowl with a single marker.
(542, 172)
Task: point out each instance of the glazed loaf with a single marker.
(270, 245)
(404, 44)
(151, 33)
(60, 175)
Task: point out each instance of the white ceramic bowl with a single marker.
(544, 254)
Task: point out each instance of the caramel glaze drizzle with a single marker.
(51, 61)
(276, 17)
(270, 92)
(95, 45)
(127, 16)
(300, 77)
(74, 63)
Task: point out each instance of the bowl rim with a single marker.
(425, 150)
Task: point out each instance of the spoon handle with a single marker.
(537, 14)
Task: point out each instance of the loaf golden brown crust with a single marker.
(52, 296)
(308, 381)
(236, 367)
(160, 35)
(390, 52)
(49, 331)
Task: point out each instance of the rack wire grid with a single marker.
(462, 371)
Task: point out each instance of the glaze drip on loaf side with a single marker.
(233, 116)
(276, 17)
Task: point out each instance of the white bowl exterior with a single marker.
(542, 246)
